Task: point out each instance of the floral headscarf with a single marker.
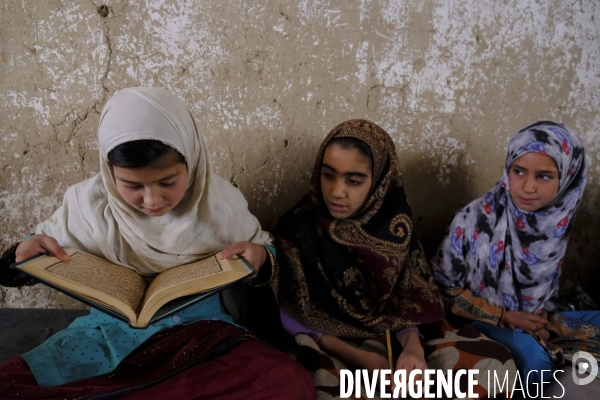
(508, 256)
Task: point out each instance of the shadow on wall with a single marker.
(433, 204)
(583, 241)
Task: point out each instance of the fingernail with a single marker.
(219, 256)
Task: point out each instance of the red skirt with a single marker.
(207, 359)
(253, 370)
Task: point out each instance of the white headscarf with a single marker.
(96, 219)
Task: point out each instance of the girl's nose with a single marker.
(338, 190)
(152, 198)
(529, 185)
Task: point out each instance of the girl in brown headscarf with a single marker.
(350, 264)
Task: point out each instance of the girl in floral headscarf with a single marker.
(500, 261)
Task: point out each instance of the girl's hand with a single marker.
(37, 244)
(254, 253)
(412, 356)
(524, 320)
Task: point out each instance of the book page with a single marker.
(183, 273)
(119, 282)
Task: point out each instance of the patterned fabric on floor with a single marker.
(446, 348)
(569, 335)
(166, 358)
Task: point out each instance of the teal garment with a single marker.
(273, 250)
(96, 343)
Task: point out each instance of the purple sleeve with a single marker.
(294, 327)
(412, 328)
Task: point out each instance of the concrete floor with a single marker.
(23, 329)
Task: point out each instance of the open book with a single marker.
(125, 294)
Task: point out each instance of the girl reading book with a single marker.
(155, 204)
(350, 265)
(500, 262)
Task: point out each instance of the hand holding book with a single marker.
(40, 244)
(255, 254)
(122, 292)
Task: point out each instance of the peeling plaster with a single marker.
(450, 81)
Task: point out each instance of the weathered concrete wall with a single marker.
(451, 81)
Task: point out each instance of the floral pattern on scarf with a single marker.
(510, 257)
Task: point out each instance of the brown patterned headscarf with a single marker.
(355, 277)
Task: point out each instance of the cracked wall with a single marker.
(450, 81)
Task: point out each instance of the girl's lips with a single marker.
(526, 201)
(154, 210)
(337, 207)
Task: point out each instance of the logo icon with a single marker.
(584, 363)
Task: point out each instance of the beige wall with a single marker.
(450, 81)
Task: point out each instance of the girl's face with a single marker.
(533, 181)
(346, 177)
(155, 189)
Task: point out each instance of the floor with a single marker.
(23, 329)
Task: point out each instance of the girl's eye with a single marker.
(354, 182)
(137, 187)
(327, 175)
(168, 185)
(545, 177)
(517, 172)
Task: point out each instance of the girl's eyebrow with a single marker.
(351, 173)
(156, 181)
(549, 172)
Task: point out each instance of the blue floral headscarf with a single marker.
(508, 256)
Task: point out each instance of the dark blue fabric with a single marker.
(592, 317)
